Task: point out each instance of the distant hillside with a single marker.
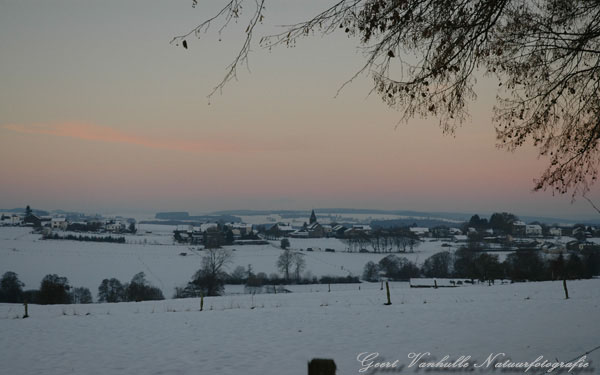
(186, 218)
(421, 218)
(22, 211)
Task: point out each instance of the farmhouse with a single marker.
(533, 230)
(59, 223)
(556, 232)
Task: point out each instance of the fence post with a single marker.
(565, 287)
(201, 302)
(387, 287)
(26, 311)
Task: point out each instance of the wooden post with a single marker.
(329, 290)
(201, 302)
(565, 287)
(26, 311)
(381, 285)
(434, 283)
(387, 288)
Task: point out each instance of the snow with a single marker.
(88, 263)
(266, 333)
(279, 334)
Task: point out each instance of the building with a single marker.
(114, 226)
(419, 231)
(556, 232)
(533, 230)
(279, 230)
(11, 220)
(313, 217)
(315, 230)
(59, 223)
(32, 220)
(519, 228)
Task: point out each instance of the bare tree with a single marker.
(299, 265)
(425, 57)
(285, 263)
(209, 280)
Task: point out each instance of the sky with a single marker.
(100, 114)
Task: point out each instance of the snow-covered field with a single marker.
(88, 263)
(274, 334)
(279, 334)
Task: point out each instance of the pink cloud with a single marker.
(92, 132)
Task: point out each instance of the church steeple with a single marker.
(313, 217)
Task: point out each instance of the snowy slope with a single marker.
(278, 334)
(88, 263)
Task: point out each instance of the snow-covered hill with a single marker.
(279, 334)
(88, 263)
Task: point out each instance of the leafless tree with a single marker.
(285, 263)
(425, 57)
(299, 264)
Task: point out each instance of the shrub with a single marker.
(111, 290)
(54, 290)
(11, 288)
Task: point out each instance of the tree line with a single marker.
(72, 237)
(53, 289)
(56, 289)
(381, 240)
(468, 263)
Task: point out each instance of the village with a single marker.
(503, 232)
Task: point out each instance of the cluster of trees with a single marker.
(210, 279)
(500, 222)
(390, 240)
(391, 267)
(212, 238)
(96, 226)
(54, 289)
(111, 239)
(291, 263)
(470, 264)
(245, 276)
(138, 289)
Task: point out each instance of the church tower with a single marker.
(313, 217)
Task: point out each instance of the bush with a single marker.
(396, 268)
(54, 290)
(11, 288)
(371, 272)
(139, 289)
(111, 291)
(339, 279)
(81, 296)
(438, 265)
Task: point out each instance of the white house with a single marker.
(556, 232)
(533, 230)
(11, 220)
(115, 226)
(455, 231)
(59, 223)
(419, 231)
